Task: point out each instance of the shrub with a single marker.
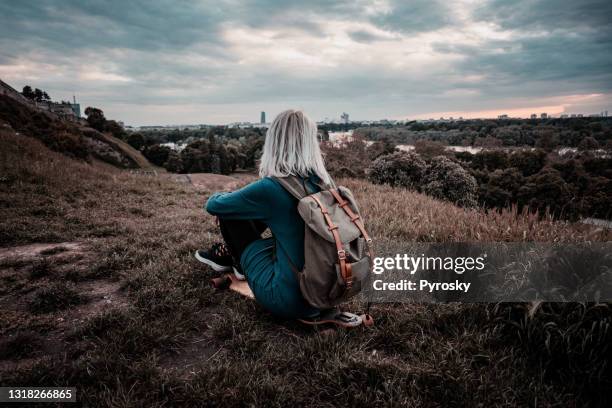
(501, 188)
(447, 180)
(156, 154)
(529, 162)
(429, 148)
(136, 140)
(547, 190)
(490, 160)
(348, 159)
(403, 169)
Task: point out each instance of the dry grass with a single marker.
(176, 342)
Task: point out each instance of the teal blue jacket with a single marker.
(267, 268)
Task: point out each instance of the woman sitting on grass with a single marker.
(291, 148)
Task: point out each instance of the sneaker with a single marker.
(238, 274)
(218, 257)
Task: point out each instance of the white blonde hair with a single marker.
(292, 148)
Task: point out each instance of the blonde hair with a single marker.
(292, 148)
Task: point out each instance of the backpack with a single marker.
(337, 249)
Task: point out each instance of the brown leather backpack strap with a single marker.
(356, 219)
(293, 186)
(346, 273)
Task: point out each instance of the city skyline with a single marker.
(153, 63)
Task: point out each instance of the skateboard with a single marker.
(332, 316)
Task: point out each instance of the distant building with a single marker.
(504, 116)
(544, 115)
(579, 115)
(606, 114)
(344, 118)
(76, 107)
(534, 116)
(564, 116)
(262, 118)
(573, 115)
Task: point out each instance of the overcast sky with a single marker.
(171, 62)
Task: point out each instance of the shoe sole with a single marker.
(215, 266)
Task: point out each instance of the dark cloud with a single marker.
(138, 24)
(547, 14)
(416, 16)
(366, 37)
(163, 52)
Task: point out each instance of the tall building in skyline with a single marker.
(344, 118)
(262, 118)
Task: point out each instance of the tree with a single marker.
(137, 141)
(588, 143)
(156, 154)
(174, 163)
(28, 92)
(547, 190)
(529, 162)
(402, 169)
(37, 95)
(95, 118)
(448, 181)
(429, 148)
(116, 129)
(546, 140)
(40, 95)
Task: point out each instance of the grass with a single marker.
(177, 342)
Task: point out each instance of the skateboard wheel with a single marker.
(368, 320)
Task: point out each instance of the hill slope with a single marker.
(100, 291)
(69, 138)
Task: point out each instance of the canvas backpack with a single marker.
(337, 248)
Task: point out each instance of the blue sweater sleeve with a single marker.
(249, 203)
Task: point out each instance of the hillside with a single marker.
(69, 138)
(99, 290)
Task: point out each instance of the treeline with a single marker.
(545, 134)
(567, 187)
(213, 154)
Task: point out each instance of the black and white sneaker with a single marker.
(218, 257)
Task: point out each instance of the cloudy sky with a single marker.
(168, 62)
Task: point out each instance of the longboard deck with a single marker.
(343, 319)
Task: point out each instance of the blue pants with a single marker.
(274, 285)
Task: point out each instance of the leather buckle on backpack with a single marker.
(342, 254)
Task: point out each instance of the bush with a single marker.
(349, 159)
(547, 190)
(429, 148)
(490, 160)
(402, 169)
(156, 154)
(136, 140)
(529, 162)
(447, 180)
(501, 188)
